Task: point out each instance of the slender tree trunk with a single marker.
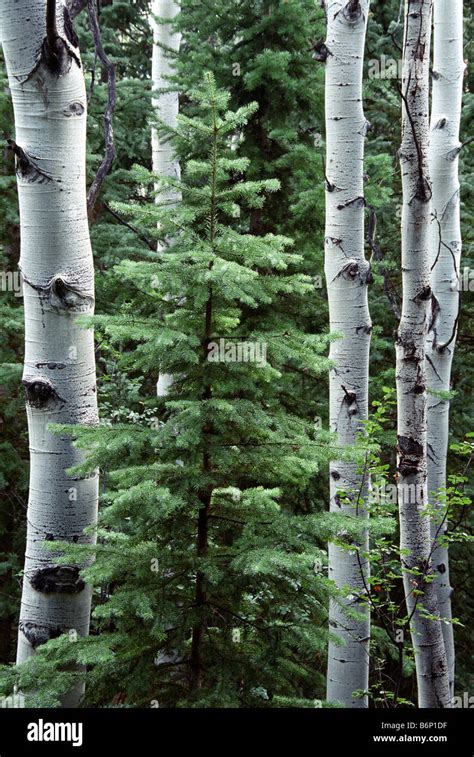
(415, 538)
(445, 259)
(347, 275)
(166, 106)
(49, 99)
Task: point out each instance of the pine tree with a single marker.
(264, 50)
(216, 592)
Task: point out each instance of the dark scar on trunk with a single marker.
(39, 634)
(411, 454)
(63, 579)
(58, 53)
(39, 392)
(25, 166)
(62, 295)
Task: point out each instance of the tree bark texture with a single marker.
(445, 260)
(48, 91)
(347, 275)
(415, 537)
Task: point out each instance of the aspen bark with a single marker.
(166, 107)
(445, 245)
(347, 276)
(47, 86)
(415, 538)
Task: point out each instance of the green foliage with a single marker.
(210, 595)
(267, 485)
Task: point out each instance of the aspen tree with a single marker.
(166, 106)
(445, 259)
(347, 276)
(415, 538)
(48, 91)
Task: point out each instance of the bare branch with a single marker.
(75, 7)
(109, 156)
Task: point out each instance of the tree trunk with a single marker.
(445, 259)
(49, 99)
(166, 107)
(347, 275)
(415, 539)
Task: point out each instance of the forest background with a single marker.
(264, 52)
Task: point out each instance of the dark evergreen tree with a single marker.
(216, 594)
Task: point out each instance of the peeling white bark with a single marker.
(347, 275)
(49, 99)
(166, 106)
(445, 259)
(415, 538)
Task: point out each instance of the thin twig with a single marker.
(129, 226)
(109, 156)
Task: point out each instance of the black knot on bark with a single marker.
(441, 567)
(38, 634)
(25, 166)
(423, 189)
(67, 296)
(423, 295)
(55, 55)
(410, 454)
(409, 446)
(74, 109)
(350, 270)
(39, 392)
(320, 51)
(410, 352)
(350, 401)
(63, 579)
(441, 123)
(353, 11)
(355, 269)
(335, 475)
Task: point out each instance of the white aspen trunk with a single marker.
(47, 86)
(166, 107)
(415, 538)
(445, 260)
(347, 276)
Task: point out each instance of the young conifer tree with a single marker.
(216, 592)
(261, 50)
